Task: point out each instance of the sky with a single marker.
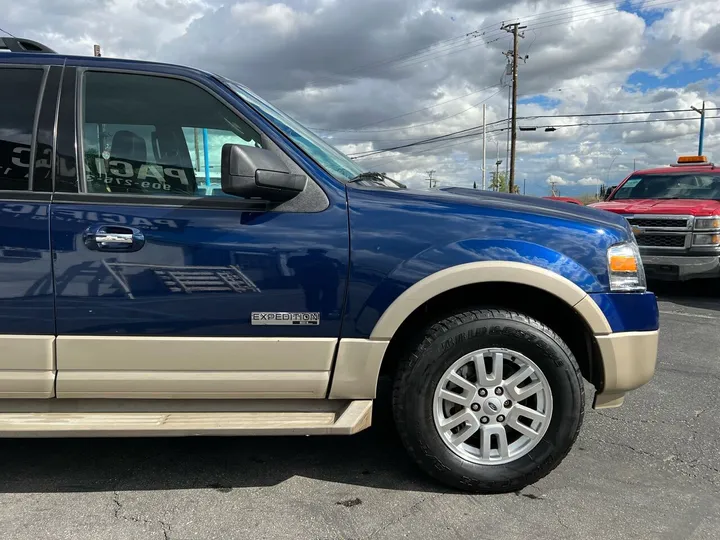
(369, 75)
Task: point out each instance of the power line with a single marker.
(576, 115)
(572, 10)
(546, 22)
(465, 133)
(626, 113)
(445, 52)
(583, 115)
(594, 15)
(441, 138)
(479, 32)
(8, 33)
(465, 139)
(441, 119)
(566, 18)
(451, 45)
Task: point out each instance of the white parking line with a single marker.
(696, 315)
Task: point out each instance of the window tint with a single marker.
(155, 136)
(18, 98)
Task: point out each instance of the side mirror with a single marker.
(257, 173)
(608, 191)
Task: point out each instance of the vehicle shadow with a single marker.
(373, 458)
(701, 293)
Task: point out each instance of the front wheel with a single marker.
(489, 401)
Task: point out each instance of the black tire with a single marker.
(455, 336)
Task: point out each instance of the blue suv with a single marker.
(178, 257)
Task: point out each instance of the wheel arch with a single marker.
(475, 273)
(538, 292)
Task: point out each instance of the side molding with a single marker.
(483, 272)
(140, 353)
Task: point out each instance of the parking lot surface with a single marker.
(650, 469)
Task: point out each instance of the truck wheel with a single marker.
(488, 401)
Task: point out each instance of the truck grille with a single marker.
(661, 240)
(651, 222)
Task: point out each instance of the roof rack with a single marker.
(13, 44)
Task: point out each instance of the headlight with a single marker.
(707, 223)
(625, 268)
(708, 240)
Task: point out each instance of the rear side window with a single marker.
(149, 135)
(19, 92)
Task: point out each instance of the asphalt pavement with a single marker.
(650, 469)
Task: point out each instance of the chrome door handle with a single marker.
(116, 238)
(113, 238)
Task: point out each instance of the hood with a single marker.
(540, 206)
(693, 207)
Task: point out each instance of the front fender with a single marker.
(475, 250)
(495, 271)
(437, 270)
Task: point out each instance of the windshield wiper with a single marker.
(376, 177)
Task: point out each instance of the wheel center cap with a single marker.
(492, 406)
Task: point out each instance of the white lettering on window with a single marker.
(177, 173)
(127, 171)
(150, 170)
(16, 160)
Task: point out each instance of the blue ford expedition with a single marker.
(178, 257)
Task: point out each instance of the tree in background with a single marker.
(499, 182)
(589, 198)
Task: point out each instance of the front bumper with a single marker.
(628, 360)
(681, 268)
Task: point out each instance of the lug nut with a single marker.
(507, 404)
(482, 392)
(501, 418)
(484, 420)
(499, 391)
(475, 407)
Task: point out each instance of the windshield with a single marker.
(331, 159)
(670, 186)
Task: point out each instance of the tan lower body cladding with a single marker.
(27, 367)
(199, 368)
(125, 367)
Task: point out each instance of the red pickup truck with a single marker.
(674, 212)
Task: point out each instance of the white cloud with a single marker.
(554, 179)
(589, 181)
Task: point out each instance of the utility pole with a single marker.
(430, 177)
(553, 191)
(484, 141)
(498, 162)
(514, 29)
(197, 150)
(702, 127)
